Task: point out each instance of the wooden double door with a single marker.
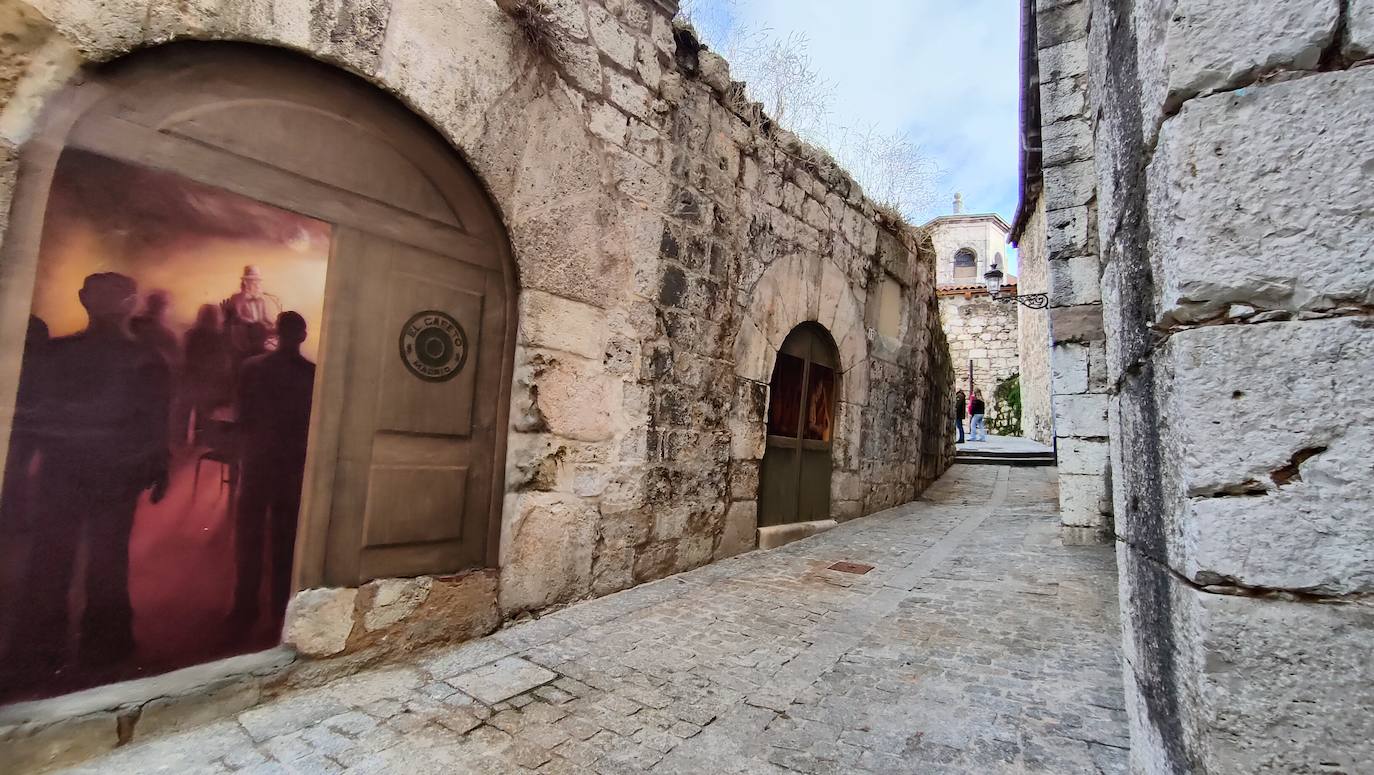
(794, 482)
(405, 463)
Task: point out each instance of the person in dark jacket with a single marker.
(977, 431)
(960, 403)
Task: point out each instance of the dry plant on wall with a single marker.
(894, 171)
(531, 18)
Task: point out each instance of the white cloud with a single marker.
(945, 71)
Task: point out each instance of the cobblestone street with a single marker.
(977, 644)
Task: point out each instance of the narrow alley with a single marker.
(976, 644)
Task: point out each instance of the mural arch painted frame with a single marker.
(402, 476)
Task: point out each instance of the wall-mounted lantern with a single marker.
(993, 278)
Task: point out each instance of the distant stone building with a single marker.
(589, 320)
(985, 336)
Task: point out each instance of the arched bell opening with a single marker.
(794, 480)
(259, 328)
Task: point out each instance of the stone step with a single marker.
(1004, 459)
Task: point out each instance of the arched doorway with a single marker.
(261, 306)
(794, 483)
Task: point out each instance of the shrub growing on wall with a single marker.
(1006, 402)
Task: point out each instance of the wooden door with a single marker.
(794, 484)
(413, 485)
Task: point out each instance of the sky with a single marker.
(944, 71)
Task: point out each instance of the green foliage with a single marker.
(1006, 407)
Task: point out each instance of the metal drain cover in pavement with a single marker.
(851, 567)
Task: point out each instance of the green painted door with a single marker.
(794, 483)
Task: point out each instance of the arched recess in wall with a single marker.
(170, 209)
(965, 264)
(794, 478)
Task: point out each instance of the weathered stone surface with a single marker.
(1359, 25)
(1033, 332)
(391, 600)
(550, 557)
(563, 324)
(773, 536)
(1210, 46)
(1250, 674)
(1083, 456)
(1269, 483)
(1082, 497)
(503, 679)
(1082, 415)
(318, 621)
(1213, 210)
(741, 529)
(28, 748)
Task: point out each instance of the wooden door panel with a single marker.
(415, 458)
(432, 404)
(411, 504)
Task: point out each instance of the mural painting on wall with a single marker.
(153, 480)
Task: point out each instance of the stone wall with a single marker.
(1078, 375)
(984, 332)
(1033, 331)
(1238, 302)
(667, 238)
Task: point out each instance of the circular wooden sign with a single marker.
(433, 346)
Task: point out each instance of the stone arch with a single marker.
(520, 121)
(792, 291)
(400, 193)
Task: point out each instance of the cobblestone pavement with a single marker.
(977, 644)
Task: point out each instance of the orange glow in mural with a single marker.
(155, 466)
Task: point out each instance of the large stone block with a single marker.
(1083, 456)
(1236, 685)
(577, 400)
(550, 555)
(1081, 498)
(1069, 185)
(1066, 141)
(741, 529)
(562, 324)
(1075, 280)
(318, 621)
(1211, 44)
(1359, 27)
(1064, 60)
(1082, 415)
(1269, 455)
(1288, 233)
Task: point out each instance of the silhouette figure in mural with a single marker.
(101, 411)
(150, 327)
(273, 400)
(16, 501)
(206, 384)
(248, 317)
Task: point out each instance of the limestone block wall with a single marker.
(1238, 301)
(667, 238)
(1033, 331)
(1078, 375)
(984, 332)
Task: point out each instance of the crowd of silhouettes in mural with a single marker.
(102, 418)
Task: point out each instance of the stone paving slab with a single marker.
(503, 680)
(977, 644)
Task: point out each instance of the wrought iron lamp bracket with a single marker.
(1031, 300)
